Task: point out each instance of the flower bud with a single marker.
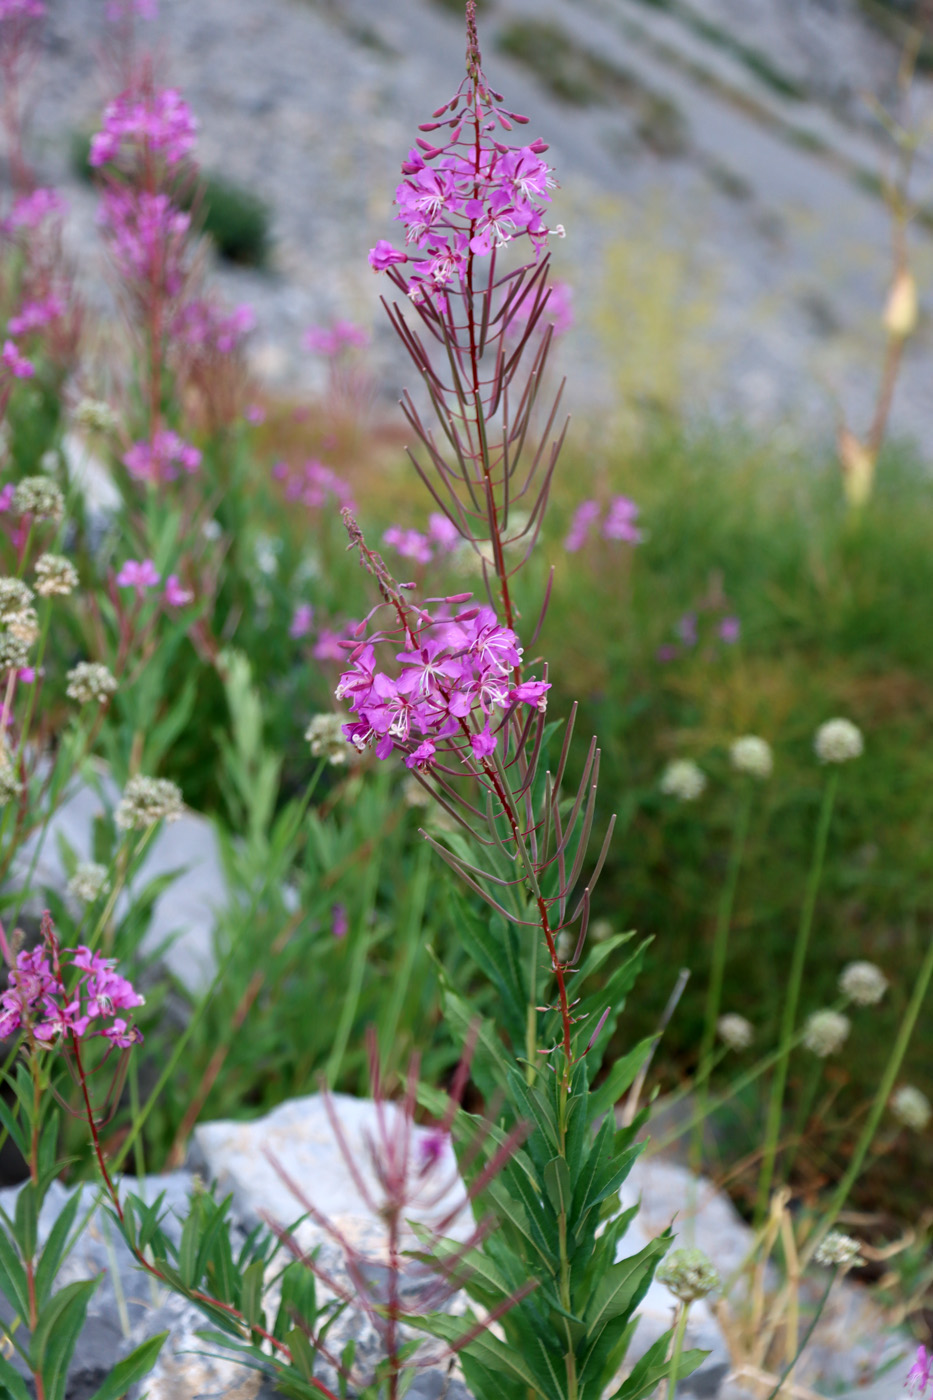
(734, 1031)
(689, 1274)
(900, 312)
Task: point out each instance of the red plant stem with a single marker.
(194, 1293)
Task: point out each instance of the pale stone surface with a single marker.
(184, 916)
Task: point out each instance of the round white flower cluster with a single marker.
(88, 881)
(911, 1108)
(826, 1032)
(327, 739)
(752, 756)
(90, 680)
(734, 1031)
(96, 416)
(39, 496)
(839, 1251)
(863, 983)
(16, 598)
(55, 575)
(683, 779)
(837, 741)
(148, 800)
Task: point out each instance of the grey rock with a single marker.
(184, 917)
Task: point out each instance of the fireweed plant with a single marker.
(467, 718)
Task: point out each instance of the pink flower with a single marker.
(145, 122)
(33, 315)
(620, 521)
(17, 364)
(422, 757)
(530, 693)
(328, 646)
(148, 237)
(26, 674)
(302, 621)
(21, 9)
(205, 324)
(36, 997)
(255, 414)
(175, 595)
(6, 497)
(483, 743)
(730, 629)
(138, 575)
(31, 210)
(160, 459)
(919, 1375)
(330, 341)
(411, 544)
(339, 921)
(384, 255)
(584, 518)
(443, 532)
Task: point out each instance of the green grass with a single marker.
(835, 620)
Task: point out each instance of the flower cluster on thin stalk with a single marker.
(411, 1183)
(42, 325)
(450, 684)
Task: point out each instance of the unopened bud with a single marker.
(900, 312)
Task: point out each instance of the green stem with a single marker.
(413, 929)
(354, 987)
(892, 1069)
(792, 999)
(718, 967)
(679, 1333)
(807, 1335)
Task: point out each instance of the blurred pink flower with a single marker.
(730, 629)
(302, 621)
(175, 595)
(138, 575)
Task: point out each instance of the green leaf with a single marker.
(251, 1297)
(302, 1352)
(652, 1369)
(131, 1369)
(489, 1350)
(9, 1121)
(299, 1298)
(26, 1220)
(605, 1096)
(54, 1250)
(532, 1105)
(13, 1275)
(619, 1286)
(12, 1385)
(56, 1336)
(188, 1245)
(558, 1186)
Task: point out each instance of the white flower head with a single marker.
(863, 983)
(88, 881)
(96, 416)
(683, 779)
(148, 800)
(55, 576)
(839, 1251)
(753, 756)
(24, 626)
(735, 1031)
(837, 741)
(90, 680)
(14, 652)
(911, 1108)
(39, 496)
(826, 1032)
(15, 598)
(327, 739)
